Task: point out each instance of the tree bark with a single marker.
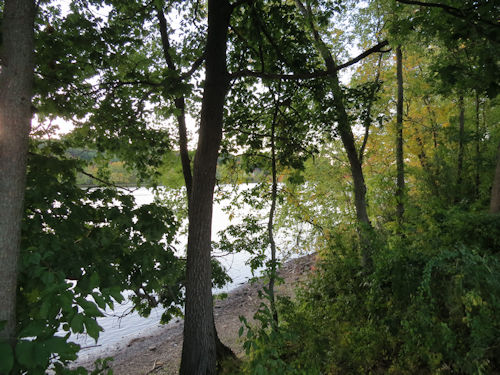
(460, 161)
(400, 189)
(16, 80)
(495, 190)
(477, 179)
(199, 346)
(183, 148)
(222, 350)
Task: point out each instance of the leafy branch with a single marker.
(378, 48)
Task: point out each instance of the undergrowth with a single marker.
(430, 306)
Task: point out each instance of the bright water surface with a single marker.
(120, 327)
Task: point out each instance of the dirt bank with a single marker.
(160, 352)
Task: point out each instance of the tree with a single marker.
(495, 190)
(16, 81)
(346, 135)
(399, 139)
(199, 346)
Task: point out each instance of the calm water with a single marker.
(120, 326)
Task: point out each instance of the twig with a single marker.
(90, 346)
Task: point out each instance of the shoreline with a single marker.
(159, 351)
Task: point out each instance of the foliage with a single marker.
(268, 348)
(80, 250)
(430, 306)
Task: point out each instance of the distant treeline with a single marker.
(231, 169)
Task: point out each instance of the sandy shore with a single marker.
(160, 352)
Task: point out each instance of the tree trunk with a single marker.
(347, 137)
(274, 193)
(368, 119)
(460, 161)
(400, 190)
(222, 350)
(183, 149)
(199, 346)
(16, 80)
(477, 179)
(358, 179)
(495, 190)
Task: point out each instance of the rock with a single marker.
(152, 348)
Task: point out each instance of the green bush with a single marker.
(430, 306)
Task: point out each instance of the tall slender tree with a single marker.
(16, 81)
(199, 346)
(461, 134)
(346, 134)
(495, 190)
(399, 138)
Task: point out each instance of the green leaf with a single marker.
(77, 323)
(99, 300)
(6, 358)
(94, 280)
(34, 328)
(93, 328)
(31, 353)
(60, 346)
(115, 292)
(90, 308)
(66, 301)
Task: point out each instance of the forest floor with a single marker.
(160, 352)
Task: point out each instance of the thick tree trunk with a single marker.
(16, 77)
(222, 350)
(199, 347)
(495, 190)
(399, 139)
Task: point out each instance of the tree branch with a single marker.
(376, 48)
(78, 169)
(198, 62)
(165, 39)
(431, 5)
(264, 75)
(310, 75)
(456, 12)
(107, 183)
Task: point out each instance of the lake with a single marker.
(121, 325)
